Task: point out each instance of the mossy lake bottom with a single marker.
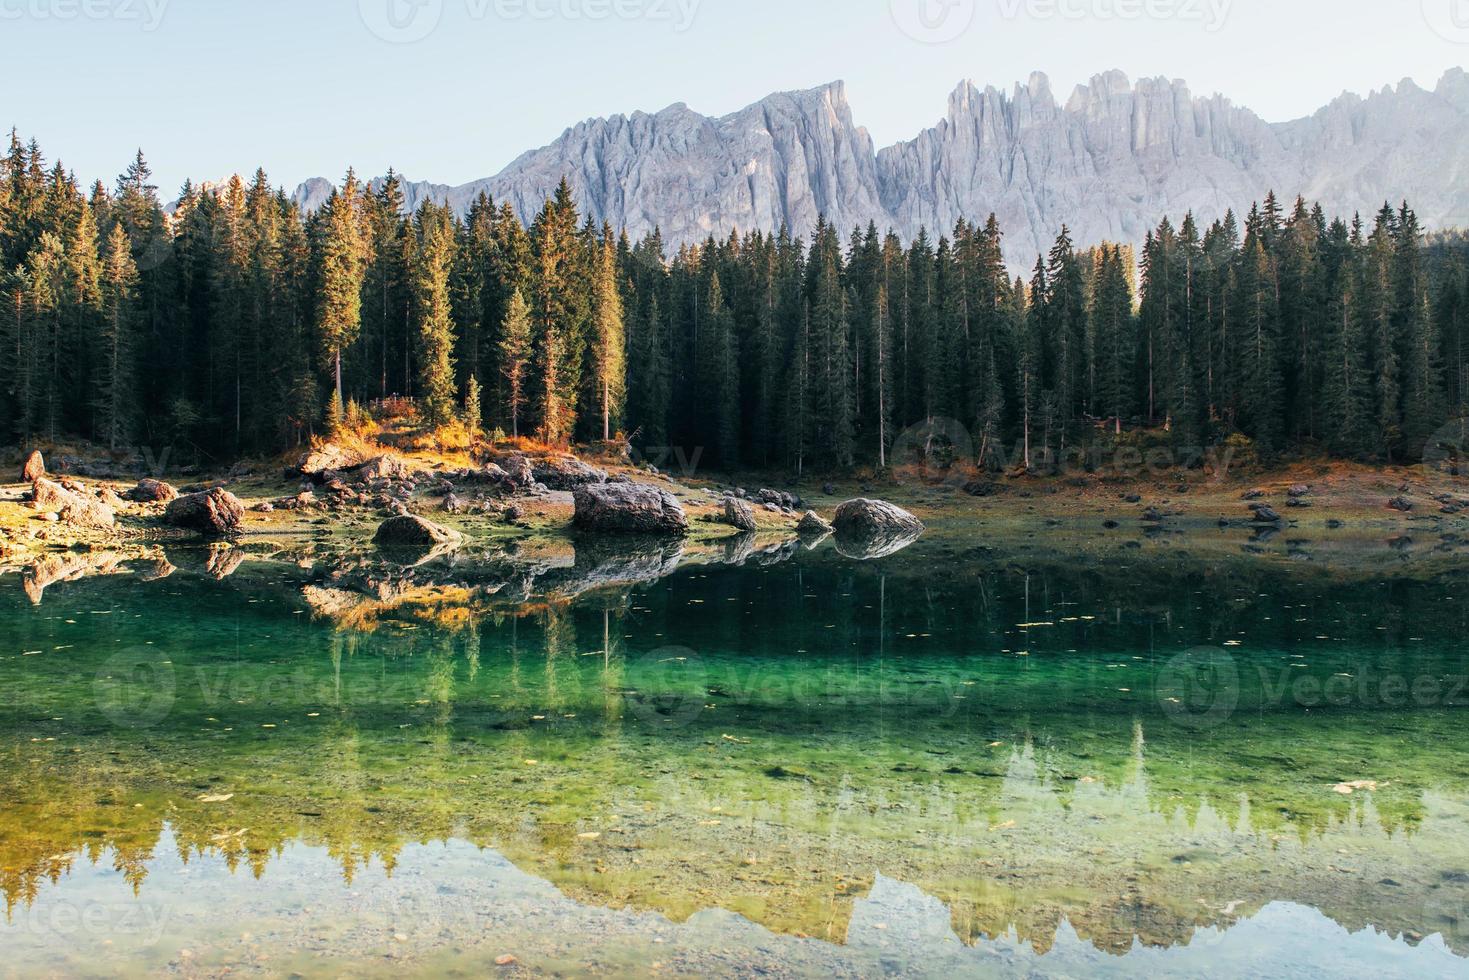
(781, 761)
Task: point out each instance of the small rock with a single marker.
(1402, 504)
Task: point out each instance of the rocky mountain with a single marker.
(1110, 160)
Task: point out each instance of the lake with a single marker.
(754, 757)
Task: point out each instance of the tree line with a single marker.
(233, 323)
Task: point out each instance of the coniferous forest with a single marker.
(234, 324)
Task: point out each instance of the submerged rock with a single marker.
(34, 467)
(216, 513)
(629, 508)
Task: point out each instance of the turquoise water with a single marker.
(744, 758)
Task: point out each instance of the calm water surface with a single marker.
(632, 760)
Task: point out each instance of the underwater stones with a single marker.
(629, 508)
(216, 513)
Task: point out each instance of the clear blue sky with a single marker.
(307, 87)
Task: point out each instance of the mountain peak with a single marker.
(1114, 159)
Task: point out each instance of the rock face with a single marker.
(629, 508)
(215, 514)
(70, 506)
(1110, 159)
(152, 492)
(740, 515)
(410, 531)
(34, 467)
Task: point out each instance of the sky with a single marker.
(453, 90)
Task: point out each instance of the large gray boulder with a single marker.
(740, 515)
(869, 529)
(328, 458)
(873, 516)
(152, 492)
(382, 468)
(70, 507)
(411, 531)
(629, 508)
(566, 473)
(216, 513)
(813, 525)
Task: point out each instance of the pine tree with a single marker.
(609, 339)
(473, 410)
(432, 267)
(116, 393)
(515, 358)
(340, 273)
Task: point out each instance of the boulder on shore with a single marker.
(152, 492)
(215, 513)
(812, 525)
(566, 473)
(629, 508)
(519, 475)
(868, 529)
(382, 468)
(329, 458)
(864, 516)
(740, 515)
(34, 468)
(412, 531)
(71, 507)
